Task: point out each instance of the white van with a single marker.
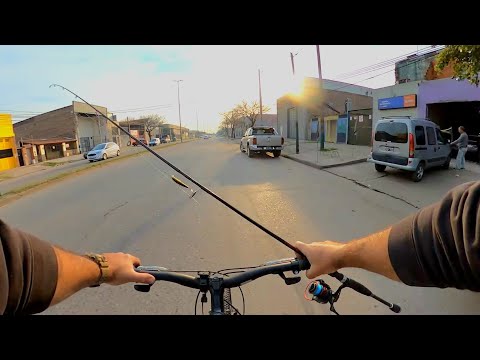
(409, 144)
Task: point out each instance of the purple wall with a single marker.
(445, 90)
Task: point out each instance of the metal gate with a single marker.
(85, 144)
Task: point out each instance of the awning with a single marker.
(47, 141)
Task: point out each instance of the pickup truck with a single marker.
(261, 139)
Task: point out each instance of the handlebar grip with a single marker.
(303, 264)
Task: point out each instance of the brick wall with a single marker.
(53, 124)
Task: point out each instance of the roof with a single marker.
(47, 141)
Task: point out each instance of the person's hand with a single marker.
(122, 270)
(324, 257)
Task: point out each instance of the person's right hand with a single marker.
(324, 257)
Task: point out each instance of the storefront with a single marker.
(8, 150)
(396, 100)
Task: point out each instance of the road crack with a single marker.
(115, 208)
(373, 189)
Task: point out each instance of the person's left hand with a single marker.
(122, 270)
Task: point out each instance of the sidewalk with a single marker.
(333, 155)
(28, 176)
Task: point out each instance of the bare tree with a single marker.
(250, 111)
(231, 120)
(151, 122)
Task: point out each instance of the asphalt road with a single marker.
(133, 206)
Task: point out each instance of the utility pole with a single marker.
(297, 138)
(260, 93)
(179, 115)
(322, 122)
(197, 120)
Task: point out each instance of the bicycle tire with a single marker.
(227, 300)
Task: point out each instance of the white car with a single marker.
(103, 151)
(154, 142)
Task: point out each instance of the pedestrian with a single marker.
(462, 145)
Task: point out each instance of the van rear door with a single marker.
(391, 142)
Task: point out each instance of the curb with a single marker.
(321, 167)
(18, 192)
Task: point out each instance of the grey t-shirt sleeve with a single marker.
(462, 141)
(439, 246)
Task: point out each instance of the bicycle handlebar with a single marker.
(273, 267)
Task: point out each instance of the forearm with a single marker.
(369, 253)
(439, 245)
(75, 272)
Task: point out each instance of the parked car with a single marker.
(261, 139)
(205, 137)
(409, 144)
(103, 151)
(165, 139)
(134, 143)
(154, 142)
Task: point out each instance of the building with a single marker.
(8, 149)
(336, 99)
(66, 131)
(173, 131)
(422, 92)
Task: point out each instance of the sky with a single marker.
(139, 80)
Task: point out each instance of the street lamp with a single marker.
(179, 115)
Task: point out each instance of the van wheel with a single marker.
(380, 168)
(446, 166)
(277, 153)
(249, 153)
(241, 148)
(418, 174)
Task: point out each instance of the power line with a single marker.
(386, 63)
(144, 108)
(386, 72)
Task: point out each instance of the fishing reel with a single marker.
(322, 293)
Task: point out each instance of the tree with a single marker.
(230, 120)
(465, 60)
(151, 122)
(250, 111)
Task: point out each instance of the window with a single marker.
(6, 153)
(263, 131)
(440, 139)
(431, 135)
(420, 135)
(395, 132)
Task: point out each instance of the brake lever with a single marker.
(143, 287)
(291, 280)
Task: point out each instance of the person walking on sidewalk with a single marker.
(462, 143)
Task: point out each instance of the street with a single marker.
(133, 206)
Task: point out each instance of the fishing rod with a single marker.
(346, 282)
(181, 183)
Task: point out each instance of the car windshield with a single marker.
(263, 131)
(99, 147)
